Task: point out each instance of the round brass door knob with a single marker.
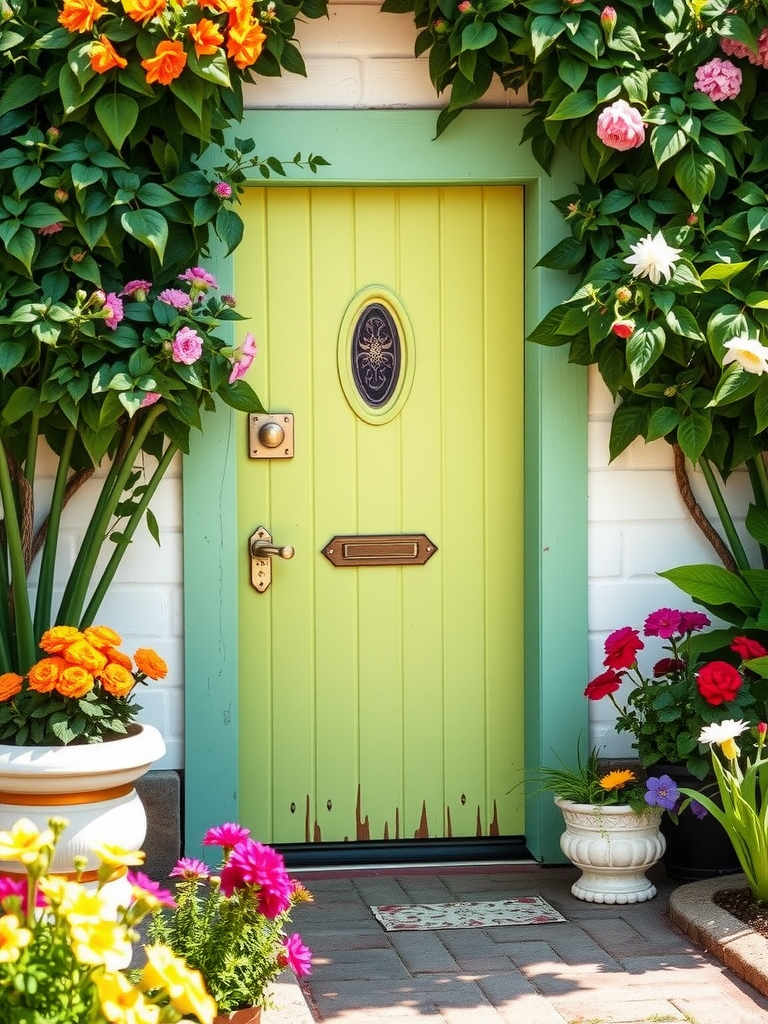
(271, 434)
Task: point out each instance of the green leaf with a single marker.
(629, 422)
(229, 228)
(713, 585)
(643, 349)
(571, 71)
(566, 255)
(117, 114)
(544, 31)
(667, 140)
(681, 321)
(723, 271)
(722, 123)
(19, 92)
(757, 523)
(734, 384)
(695, 174)
(22, 401)
(575, 105)
(148, 227)
(478, 34)
(662, 422)
(693, 434)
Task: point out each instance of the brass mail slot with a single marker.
(380, 549)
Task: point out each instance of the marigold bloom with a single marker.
(104, 56)
(10, 685)
(143, 10)
(45, 674)
(206, 37)
(102, 637)
(245, 43)
(58, 638)
(85, 654)
(80, 15)
(74, 681)
(117, 680)
(24, 841)
(116, 657)
(150, 663)
(167, 64)
(12, 938)
(617, 779)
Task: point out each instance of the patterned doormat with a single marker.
(424, 917)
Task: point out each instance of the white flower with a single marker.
(653, 258)
(724, 733)
(748, 352)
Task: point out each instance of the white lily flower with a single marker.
(725, 734)
(747, 352)
(653, 258)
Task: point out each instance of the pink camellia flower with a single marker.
(296, 956)
(252, 863)
(150, 398)
(664, 623)
(51, 229)
(187, 346)
(736, 49)
(228, 834)
(115, 307)
(222, 189)
(621, 648)
(190, 868)
(621, 126)
(243, 357)
(137, 290)
(623, 328)
(719, 79)
(176, 297)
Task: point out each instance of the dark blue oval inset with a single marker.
(376, 355)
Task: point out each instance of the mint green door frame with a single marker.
(397, 147)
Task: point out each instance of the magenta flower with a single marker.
(18, 887)
(190, 868)
(664, 623)
(621, 648)
(176, 297)
(225, 835)
(115, 307)
(145, 887)
(222, 189)
(243, 357)
(200, 279)
(718, 79)
(690, 622)
(137, 289)
(296, 956)
(150, 398)
(187, 346)
(252, 863)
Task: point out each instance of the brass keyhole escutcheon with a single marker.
(261, 551)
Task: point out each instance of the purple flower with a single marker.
(698, 810)
(189, 868)
(661, 792)
(187, 346)
(175, 297)
(664, 623)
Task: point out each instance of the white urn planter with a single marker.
(90, 785)
(613, 846)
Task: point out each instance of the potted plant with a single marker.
(231, 926)
(611, 827)
(666, 710)
(65, 945)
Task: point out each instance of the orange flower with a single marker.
(10, 685)
(150, 663)
(83, 653)
(45, 674)
(117, 680)
(115, 657)
(102, 637)
(59, 638)
(167, 64)
(104, 56)
(143, 10)
(245, 43)
(74, 681)
(206, 37)
(80, 15)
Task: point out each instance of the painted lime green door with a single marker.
(385, 701)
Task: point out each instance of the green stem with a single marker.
(31, 460)
(72, 602)
(127, 536)
(48, 560)
(737, 548)
(758, 477)
(25, 641)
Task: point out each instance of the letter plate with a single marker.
(379, 549)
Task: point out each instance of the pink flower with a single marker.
(690, 622)
(664, 623)
(225, 835)
(51, 229)
(200, 279)
(187, 346)
(150, 398)
(719, 79)
(296, 956)
(621, 126)
(621, 648)
(175, 297)
(137, 290)
(608, 18)
(243, 357)
(222, 189)
(736, 49)
(190, 868)
(115, 307)
(147, 888)
(18, 887)
(464, 6)
(255, 864)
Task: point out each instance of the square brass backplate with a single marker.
(270, 435)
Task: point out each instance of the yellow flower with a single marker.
(24, 842)
(12, 938)
(118, 855)
(185, 987)
(617, 779)
(121, 1003)
(103, 942)
(60, 892)
(84, 907)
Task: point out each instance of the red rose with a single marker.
(718, 682)
(606, 682)
(621, 648)
(747, 648)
